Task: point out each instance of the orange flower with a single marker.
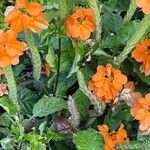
(3, 89)
(107, 82)
(141, 112)
(46, 69)
(10, 48)
(112, 139)
(144, 4)
(80, 24)
(25, 16)
(142, 54)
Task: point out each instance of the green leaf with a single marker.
(66, 43)
(126, 31)
(7, 105)
(42, 127)
(81, 82)
(113, 41)
(98, 105)
(51, 4)
(18, 69)
(64, 84)
(114, 118)
(88, 140)
(27, 99)
(50, 15)
(115, 6)
(4, 131)
(54, 136)
(5, 120)
(2, 24)
(112, 22)
(48, 105)
(65, 61)
(75, 66)
(82, 103)
(7, 144)
(40, 146)
(51, 59)
(60, 145)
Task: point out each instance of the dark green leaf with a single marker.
(112, 22)
(51, 59)
(54, 136)
(7, 144)
(88, 140)
(82, 103)
(7, 105)
(27, 99)
(48, 105)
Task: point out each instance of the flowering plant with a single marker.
(74, 74)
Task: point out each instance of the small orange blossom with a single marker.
(142, 54)
(112, 139)
(80, 24)
(107, 82)
(141, 112)
(10, 48)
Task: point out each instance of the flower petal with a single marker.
(34, 8)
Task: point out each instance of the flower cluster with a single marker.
(142, 54)
(21, 17)
(25, 16)
(141, 112)
(107, 82)
(80, 24)
(112, 139)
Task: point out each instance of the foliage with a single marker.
(59, 110)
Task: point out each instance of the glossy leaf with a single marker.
(88, 140)
(48, 105)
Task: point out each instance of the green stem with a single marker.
(135, 38)
(36, 60)
(11, 85)
(130, 11)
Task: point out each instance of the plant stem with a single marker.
(36, 60)
(58, 67)
(141, 30)
(11, 85)
(130, 11)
